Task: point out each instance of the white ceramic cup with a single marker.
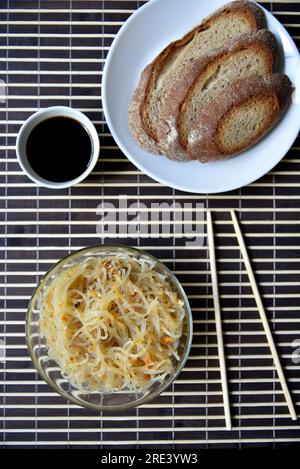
(40, 116)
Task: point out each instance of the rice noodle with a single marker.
(112, 324)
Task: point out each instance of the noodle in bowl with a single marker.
(109, 327)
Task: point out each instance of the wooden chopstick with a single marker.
(263, 316)
(215, 289)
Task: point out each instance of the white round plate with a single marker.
(138, 42)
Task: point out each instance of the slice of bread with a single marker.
(252, 53)
(239, 117)
(147, 103)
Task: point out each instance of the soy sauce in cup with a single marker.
(58, 147)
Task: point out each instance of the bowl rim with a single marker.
(159, 389)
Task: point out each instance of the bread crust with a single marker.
(135, 121)
(169, 129)
(204, 139)
(137, 117)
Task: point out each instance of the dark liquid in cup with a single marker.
(59, 149)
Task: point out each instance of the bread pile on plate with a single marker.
(213, 93)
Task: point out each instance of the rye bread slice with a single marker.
(238, 118)
(231, 21)
(253, 53)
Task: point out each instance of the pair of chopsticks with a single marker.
(260, 308)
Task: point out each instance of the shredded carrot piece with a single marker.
(147, 359)
(136, 362)
(165, 340)
(93, 293)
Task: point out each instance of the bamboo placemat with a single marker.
(52, 53)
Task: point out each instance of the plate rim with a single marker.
(133, 159)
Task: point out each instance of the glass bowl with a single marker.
(50, 371)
